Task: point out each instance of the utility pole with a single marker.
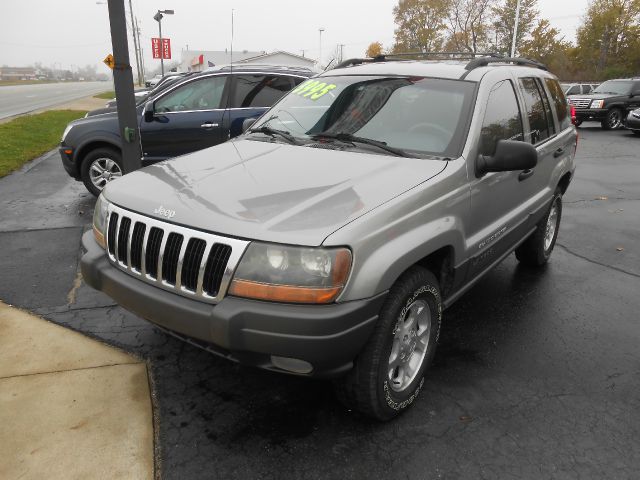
(142, 75)
(135, 41)
(341, 45)
(320, 55)
(123, 82)
(515, 30)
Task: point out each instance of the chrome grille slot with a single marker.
(215, 268)
(153, 251)
(111, 233)
(185, 261)
(170, 257)
(191, 263)
(137, 240)
(123, 239)
(580, 102)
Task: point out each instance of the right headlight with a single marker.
(282, 273)
(597, 104)
(100, 213)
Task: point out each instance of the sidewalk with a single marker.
(70, 407)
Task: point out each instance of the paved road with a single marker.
(19, 99)
(536, 375)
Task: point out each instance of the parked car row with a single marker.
(610, 103)
(195, 112)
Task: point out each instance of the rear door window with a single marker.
(502, 120)
(539, 128)
(560, 103)
(254, 91)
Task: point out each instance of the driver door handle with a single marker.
(525, 174)
(208, 125)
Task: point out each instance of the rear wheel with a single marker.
(536, 250)
(100, 166)
(388, 374)
(613, 120)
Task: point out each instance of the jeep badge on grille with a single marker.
(164, 212)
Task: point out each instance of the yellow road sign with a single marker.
(109, 61)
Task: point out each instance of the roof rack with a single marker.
(391, 56)
(484, 61)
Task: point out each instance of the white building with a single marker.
(199, 60)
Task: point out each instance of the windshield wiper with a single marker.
(348, 137)
(273, 132)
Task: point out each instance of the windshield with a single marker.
(418, 115)
(614, 86)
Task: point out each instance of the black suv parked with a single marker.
(197, 112)
(609, 103)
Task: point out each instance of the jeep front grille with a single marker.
(185, 261)
(580, 102)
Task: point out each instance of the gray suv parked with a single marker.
(328, 239)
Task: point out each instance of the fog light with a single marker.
(291, 364)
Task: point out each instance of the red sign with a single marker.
(155, 47)
(166, 48)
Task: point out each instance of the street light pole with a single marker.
(515, 30)
(135, 41)
(158, 18)
(320, 55)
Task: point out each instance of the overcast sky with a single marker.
(76, 32)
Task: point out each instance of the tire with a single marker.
(106, 162)
(613, 120)
(407, 331)
(578, 123)
(536, 250)
(636, 132)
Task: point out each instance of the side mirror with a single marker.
(246, 124)
(510, 155)
(148, 112)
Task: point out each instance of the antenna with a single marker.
(232, 86)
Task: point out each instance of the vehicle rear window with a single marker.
(560, 102)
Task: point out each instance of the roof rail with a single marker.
(391, 56)
(484, 61)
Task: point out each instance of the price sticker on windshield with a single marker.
(313, 89)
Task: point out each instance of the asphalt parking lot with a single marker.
(537, 374)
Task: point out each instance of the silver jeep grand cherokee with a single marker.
(328, 239)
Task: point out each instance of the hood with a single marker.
(599, 96)
(102, 111)
(269, 191)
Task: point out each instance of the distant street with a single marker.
(19, 99)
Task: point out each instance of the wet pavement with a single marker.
(537, 374)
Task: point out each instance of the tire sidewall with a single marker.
(88, 161)
(557, 200)
(391, 401)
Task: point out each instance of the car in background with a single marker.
(159, 78)
(577, 88)
(196, 112)
(609, 103)
(633, 121)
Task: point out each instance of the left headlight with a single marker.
(100, 213)
(597, 104)
(281, 273)
(66, 132)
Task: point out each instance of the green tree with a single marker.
(607, 41)
(504, 19)
(420, 25)
(547, 46)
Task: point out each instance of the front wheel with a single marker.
(99, 167)
(536, 250)
(389, 373)
(613, 120)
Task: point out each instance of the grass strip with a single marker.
(106, 95)
(28, 137)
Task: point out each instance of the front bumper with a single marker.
(591, 114)
(328, 337)
(66, 154)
